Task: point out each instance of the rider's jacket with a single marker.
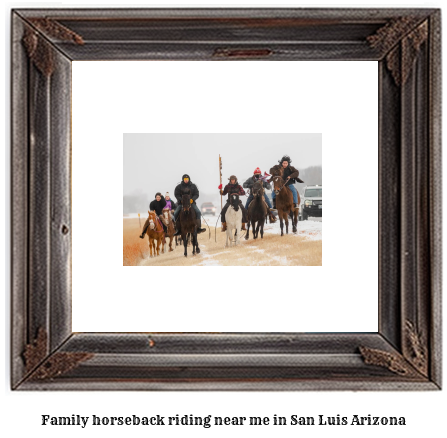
(171, 205)
(157, 206)
(292, 172)
(250, 181)
(233, 188)
(180, 190)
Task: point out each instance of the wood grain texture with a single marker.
(19, 201)
(409, 336)
(435, 195)
(60, 201)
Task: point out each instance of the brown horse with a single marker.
(166, 218)
(155, 232)
(257, 211)
(188, 225)
(284, 204)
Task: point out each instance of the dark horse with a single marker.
(284, 204)
(188, 225)
(257, 211)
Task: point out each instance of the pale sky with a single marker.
(156, 162)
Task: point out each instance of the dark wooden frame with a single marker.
(405, 354)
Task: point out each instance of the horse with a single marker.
(155, 232)
(188, 225)
(166, 218)
(257, 211)
(234, 220)
(284, 204)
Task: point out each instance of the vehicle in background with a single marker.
(208, 208)
(312, 202)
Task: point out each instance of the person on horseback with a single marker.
(156, 205)
(249, 184)
(290, 176)
(186, 186)
(169, 202)
(232, 187)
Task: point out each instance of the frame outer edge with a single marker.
(350, 13)
(27, 191)
(435, 138)
(19, 199)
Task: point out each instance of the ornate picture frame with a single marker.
(405, 353)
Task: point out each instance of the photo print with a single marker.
(222, 200)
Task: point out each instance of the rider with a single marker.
(290, 176)
(233, 187)
(186, 186)
(249, 184)
(156, 205)
(169, 202)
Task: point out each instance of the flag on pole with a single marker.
(265, 177)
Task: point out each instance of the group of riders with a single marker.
(160, 203)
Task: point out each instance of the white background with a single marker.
(182, 97)
(20, 412)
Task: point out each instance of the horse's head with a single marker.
(166, 214)
(278, 184)
(234, 201)
(152, 219)
(277, 170)
(257, 189)
(186, 201)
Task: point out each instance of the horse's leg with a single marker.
(281, 223)
(185, 244)
(150, 245)
(295, 220)
(197, 244)
(262, 229)
(238, 232)
(247, 234)
(253, 223)
(194, 241)
(228, 237)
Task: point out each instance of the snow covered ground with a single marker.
(311, 229)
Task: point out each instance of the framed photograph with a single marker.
(83, 321)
